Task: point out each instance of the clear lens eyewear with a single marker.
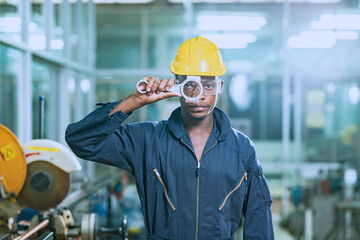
(210, 85)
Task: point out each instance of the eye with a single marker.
(191, 85)
(188, 85)
(209, 86)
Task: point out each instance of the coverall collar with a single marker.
(221, 125)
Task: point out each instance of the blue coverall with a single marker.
(181, 199)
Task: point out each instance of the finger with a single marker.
(151, 97)
(171, 94)
(169, 84)
(148, 78)
(162, 95)
(155, 85)
(162, 85)
(151, 81)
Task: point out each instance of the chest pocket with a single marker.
(232, 191)
(230, 208)
(164, 187)
(160, 209)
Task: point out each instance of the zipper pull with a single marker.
(245, 176)
(156, 172)
(197, 172)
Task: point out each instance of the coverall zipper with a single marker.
(161, 181)
(198, 184)
(231, 192)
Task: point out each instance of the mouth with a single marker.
(198, 107)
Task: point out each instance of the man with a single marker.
(195, 175)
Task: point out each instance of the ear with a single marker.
(221, 87)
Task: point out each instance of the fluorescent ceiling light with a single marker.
(254, 1)
(200, 1)
(337, 21)
(354, 94)
(323, 1)
(57, 1)
(339, 35)
(346, 35)
(231, 41)
(313, 39)
(85, 85)
(123, 1)
(220, 1)
(309, 1)
(320, 39)
(57, 44)
(216, 23)
(300, 42)
(10, 24)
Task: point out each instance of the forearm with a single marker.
(128, 105)
(155, 92)
(91, 129)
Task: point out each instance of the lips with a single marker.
(198, 107)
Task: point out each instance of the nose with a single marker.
(202, 97)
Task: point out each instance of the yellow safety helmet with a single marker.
(198, 57)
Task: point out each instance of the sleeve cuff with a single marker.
(119, 115)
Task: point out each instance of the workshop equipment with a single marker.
(49, 166)
(37, 175)
(12, 163)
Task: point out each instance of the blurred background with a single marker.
(292, 85)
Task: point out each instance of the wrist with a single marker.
(128, 104)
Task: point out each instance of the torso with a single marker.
(199, 142)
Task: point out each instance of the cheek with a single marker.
(212, 99)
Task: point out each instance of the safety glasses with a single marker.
(210, 85)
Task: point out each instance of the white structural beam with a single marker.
(298, 119)
(286, 101)
(24, 91)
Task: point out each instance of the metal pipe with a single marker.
(41, 116)
(77, 196)
(34, 230)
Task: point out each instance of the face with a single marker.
(205, 105)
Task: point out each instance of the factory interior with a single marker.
(292, 86)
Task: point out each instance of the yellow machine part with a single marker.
(12, 163)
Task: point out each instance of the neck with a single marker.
(192, 124)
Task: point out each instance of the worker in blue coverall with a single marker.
(196, 176)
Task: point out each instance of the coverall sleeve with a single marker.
(101, 138)
(258, 221)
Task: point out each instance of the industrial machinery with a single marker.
(327, 208)
(37, 176)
